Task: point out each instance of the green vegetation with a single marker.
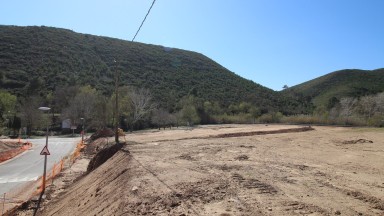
(325, 90)
(37, 60)
(75, 75)
(346, 97)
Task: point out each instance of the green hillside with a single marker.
(339, 84)
(36, 60)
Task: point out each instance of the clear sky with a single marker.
(272, 42)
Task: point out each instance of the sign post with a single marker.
(44, 152)
(73, 128)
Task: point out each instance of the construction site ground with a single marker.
(10, 148)
(230, 170)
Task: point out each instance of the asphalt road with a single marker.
(29, 165)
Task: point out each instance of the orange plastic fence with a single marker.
(58, 167)
(30, 189)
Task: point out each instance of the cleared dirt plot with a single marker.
(324, 171)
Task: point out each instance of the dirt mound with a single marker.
(105, 132)
(8, 144)
(12, 148)
(96, 145)
(357, 141)
(101, 192)
(253, 133)
(103, 155)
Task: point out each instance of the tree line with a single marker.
(367, 109)
(138, 109)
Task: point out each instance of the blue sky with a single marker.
(272, 42)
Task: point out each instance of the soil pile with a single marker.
(11, 148)
(7, 144)
(103, 155)
(105, 132)
(253, 133)
(356, 141)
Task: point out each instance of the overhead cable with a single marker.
(143, 20)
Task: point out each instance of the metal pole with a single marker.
(44, 173)
(46, 139)
(45, 160)
(43, 186)
(45, 165)
(82, 134)
(117, 74)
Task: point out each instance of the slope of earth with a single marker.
(36, 60)
(9, 149)
(7, 144)
(339, 84)
(326, 171)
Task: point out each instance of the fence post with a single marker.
(2, 212)
(53, 172)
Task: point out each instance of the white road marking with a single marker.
(14, 180)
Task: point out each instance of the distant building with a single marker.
(66, 124)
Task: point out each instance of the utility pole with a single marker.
(116, 103)
(82, 131)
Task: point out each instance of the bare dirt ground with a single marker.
(326, 171)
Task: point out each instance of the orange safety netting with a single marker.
(16, 197)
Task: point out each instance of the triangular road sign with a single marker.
(45, 151)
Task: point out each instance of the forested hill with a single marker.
(339, 84)
(36, 60)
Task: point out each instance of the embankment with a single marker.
(11, 148)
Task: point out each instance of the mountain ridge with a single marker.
(35, 59)
(339, 84)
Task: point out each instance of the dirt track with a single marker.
(326, 171)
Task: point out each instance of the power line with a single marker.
(143, 20)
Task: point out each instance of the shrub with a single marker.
(271, 117)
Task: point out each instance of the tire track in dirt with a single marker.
(374, 202)
(228, 173)
(269, 174)
(231, 172)
(287, 199)
(279, 174)
(231, 193)
(322, 184)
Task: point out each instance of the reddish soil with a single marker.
(325, 171)
(10, 149)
